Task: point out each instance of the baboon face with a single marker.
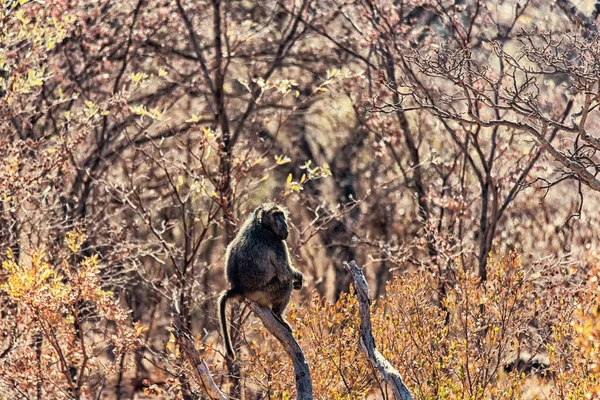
(275, 221)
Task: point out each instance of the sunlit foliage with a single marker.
(60, 327)
(449, 347)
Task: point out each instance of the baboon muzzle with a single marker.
(283, 228)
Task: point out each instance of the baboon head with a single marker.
(273, 217)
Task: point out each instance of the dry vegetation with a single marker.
(450, 147)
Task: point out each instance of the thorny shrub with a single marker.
(451, 343)
(61, 332)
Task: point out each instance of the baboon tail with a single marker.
(226, 295)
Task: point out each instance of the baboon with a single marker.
(529, 365)
(258, 266)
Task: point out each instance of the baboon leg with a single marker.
(268, 294)
(282, 321)
(279, 306)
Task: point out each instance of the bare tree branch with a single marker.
(389, 374)
(304, 389)
(200, 369)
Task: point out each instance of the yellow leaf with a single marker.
(171, 344)
(75, 239)
(193, 119)
(280, 160)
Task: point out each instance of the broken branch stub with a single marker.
(303, 381)
(387, 371)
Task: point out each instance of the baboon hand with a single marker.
(297, 280)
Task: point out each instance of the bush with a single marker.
(63, 335)
(450, 342)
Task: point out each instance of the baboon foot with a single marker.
(282, 321)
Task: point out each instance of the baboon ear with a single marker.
(258, 214)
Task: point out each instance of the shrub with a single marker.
(448, 342)
(61, 332)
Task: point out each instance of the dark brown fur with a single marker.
(529, 364)
(258, 266)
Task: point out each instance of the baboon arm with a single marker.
(282, 271)
(298, 280)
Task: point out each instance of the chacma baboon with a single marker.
(529, 365)
(258, 266)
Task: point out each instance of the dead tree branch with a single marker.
(389, 374)
(186, 343)
(303, 382)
